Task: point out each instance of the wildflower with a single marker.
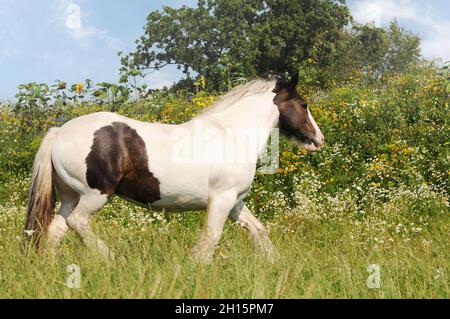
(79, 88)
(438, 273)
(29, 232)
(203, 81)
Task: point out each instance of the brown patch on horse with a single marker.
(118, 164)
(294, 119)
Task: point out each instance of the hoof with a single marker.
(202, 256)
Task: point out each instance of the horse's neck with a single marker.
(256, 114)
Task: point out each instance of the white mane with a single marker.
(259, 86)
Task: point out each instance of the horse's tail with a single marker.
(41, 200)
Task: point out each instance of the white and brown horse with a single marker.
(94, 157)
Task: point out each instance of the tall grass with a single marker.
(317, 259)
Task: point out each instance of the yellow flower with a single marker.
(203, 81)
(79, 88)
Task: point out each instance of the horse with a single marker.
(91, 158)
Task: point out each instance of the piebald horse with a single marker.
(93, 157)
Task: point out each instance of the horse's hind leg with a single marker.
(58, 227)
(258, 233)
(79, 220)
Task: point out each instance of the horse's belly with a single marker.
(182, 189)
(183, 193)
(179, 204)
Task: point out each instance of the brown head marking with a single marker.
(118, 164)
(294, 115)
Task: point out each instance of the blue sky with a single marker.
(44, 41)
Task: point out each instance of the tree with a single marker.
(227, 39)
(375, 51)
(404, 49)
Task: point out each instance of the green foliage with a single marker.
(224, 40)
(377, 50)
(112, 94)
(390, 134)
(34, 98)
(404, 49)
(363, 51)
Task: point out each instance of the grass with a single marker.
(317, 259)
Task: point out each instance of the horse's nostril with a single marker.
(321, 139)
(315, 142)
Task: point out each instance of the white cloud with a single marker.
(75, 21)
(437, 43)
(434, 30)
(8, 52)
(164, 77)
(382, 11)
(160, 79)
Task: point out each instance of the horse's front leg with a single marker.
(219, 207)
(258, 233)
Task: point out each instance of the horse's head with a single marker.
(296, 120)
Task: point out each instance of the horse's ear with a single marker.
(294, 82)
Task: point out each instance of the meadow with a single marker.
(373, 202)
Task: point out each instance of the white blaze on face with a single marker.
(320, 139)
